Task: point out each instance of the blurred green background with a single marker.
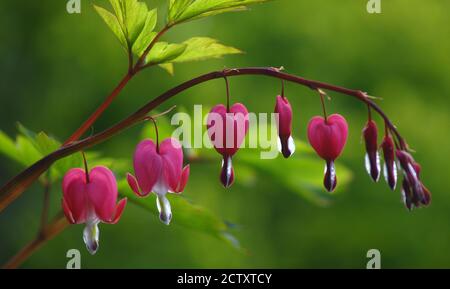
(56, 68)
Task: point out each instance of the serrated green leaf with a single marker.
(185, 214)
(195, 9)
(8, 147)
(113, 24)
(30, 147)
(147, 35)
(168, 67)
(118, 8)
(21, 150)
(135, 16)
(46, 144)
(131, 22)
(164, 52)
(176, 7)
(202, 48)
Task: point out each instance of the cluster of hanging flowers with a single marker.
(90, 197)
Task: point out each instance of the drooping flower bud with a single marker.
(284, 125)
(90, 198)
(372, 158)
(160, 170)
(390, 167)
(227, 131)
(328, 138)
(418, 193)
(407, 194)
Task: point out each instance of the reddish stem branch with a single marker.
(22, 181)
(96, 114)
(59, 225)
(48, 233)
(106, 103)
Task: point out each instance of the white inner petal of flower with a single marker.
(229, 166)
(332, 172)
(386, 176)
(279, 145)
(163, 204)
(395, 172)
(91, 236)
(91, 232)
(368, 166)
(403, 196)
(291, 145)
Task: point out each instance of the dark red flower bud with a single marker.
(407, 194)
(328, 138)
(227, 131)
(372, 159)
(390, 168)
(284, 125)
(427, 196)
(419, 194)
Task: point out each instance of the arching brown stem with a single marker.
(22, 181)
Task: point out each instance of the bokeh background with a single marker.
(55, 68)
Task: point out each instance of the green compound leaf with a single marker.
(132, 23)
(113, 24)
(147, 34)
(168, 67)
(164, 52)
(20, 150)
(30, 147)
(187, 10)
(202, 48)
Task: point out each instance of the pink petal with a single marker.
(227, 131)
(241, 124)
(172, 156)
(132, 182)
(74, 194)
(328, 138)
(183, 180)
(102, 192)
(216, 127)
(119, 210)
(67, 212)
(284, 110)
(147, 166)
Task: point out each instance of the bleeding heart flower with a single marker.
(328, 137)
(390, 167)
(372, 159)
(159, 169)
(90, 197)
(284, 125)
(413, 190)
(227, 131)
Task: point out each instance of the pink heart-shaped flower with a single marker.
(95, 199)
(284, 110)
(227, 131)
(328, 138)
(159, 169)
(90, 197)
